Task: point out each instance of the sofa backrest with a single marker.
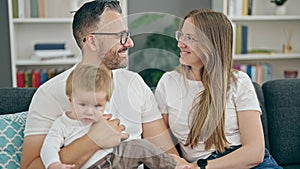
(282, 101)
(15, 100)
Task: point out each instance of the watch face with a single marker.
(202, 163)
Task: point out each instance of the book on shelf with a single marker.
(51, 50)
(49, 46)
(21, 78)
(244, 39)
(258, 73)
(36, 77)
(42, 8)
(27, 8)
(52, 54)
(239, 7)
(15, 9)
(38, 8)
(21, 9)
(238, 39)
(244, 7)
(43, 76)
(34, 8)
(241, 39)
(28, 78)
(51, 73)
(253, 73)
(250, 7)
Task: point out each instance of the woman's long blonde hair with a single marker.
(207, 116)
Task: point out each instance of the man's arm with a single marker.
(158, 133)
(31, 151)
(103, 134)
(32, 145)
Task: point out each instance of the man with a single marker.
(102, 36)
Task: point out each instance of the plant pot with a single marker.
(280, 10)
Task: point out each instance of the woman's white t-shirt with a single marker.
(175, 97)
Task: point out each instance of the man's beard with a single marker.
(113, 61)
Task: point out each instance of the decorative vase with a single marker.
(280, 10)
(76, 4)
(290, 73)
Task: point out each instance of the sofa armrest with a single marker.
(283, 110)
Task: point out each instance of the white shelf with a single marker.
(265, 18)
(55, 27)
(276, 56)
(42, 20)
(267, 31)
(62, 61)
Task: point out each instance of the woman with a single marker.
(210, 108)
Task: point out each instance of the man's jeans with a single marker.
(268, 163)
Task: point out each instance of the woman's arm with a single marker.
(252, 151)
(166, 119)
(157, 133)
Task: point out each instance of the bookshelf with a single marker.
(267, 31)
(53, 26)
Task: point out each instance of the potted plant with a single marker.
(279, 2)
(280, 7)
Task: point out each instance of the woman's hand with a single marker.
(182, 162)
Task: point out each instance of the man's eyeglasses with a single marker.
(123, 36)
(188, 38)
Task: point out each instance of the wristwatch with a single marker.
(202, 163)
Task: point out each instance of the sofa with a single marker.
(279, 100)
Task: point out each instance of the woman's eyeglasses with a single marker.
(185, 37)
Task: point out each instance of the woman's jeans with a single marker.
(268, 163)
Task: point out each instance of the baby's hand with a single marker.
(58, 165)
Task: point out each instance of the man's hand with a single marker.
(107, 133)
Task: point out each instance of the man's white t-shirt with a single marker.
(175, 97)
(132, 102)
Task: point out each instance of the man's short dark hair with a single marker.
(88, 16)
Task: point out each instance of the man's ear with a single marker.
(91, 42)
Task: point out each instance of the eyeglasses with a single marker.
(123, 36)
(188, 38)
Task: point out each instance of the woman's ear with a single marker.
(70, 99)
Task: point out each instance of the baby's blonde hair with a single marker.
(90, 78)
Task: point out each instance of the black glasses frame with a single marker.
(121, 34)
